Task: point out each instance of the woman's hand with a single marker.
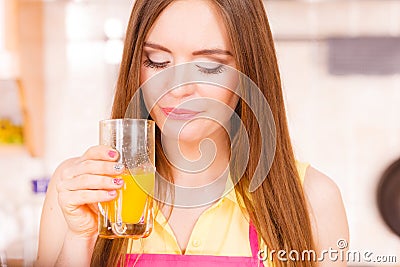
(83, 182)
(68, 226)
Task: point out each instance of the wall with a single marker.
(80, 83)
(2, 27)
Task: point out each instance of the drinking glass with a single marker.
(130, 214)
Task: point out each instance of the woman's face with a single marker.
(190, 31)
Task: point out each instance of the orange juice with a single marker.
(130, 209)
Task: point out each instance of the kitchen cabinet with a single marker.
(23, 45)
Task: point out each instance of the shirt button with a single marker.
(196, 243)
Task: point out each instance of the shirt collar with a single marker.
(229, 194)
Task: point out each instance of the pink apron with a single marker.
(176, 260)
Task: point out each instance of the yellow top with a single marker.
(220, 231)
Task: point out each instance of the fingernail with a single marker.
(118, 181)
(112, 153)
(112, 193)
(118, 167)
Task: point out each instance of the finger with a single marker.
(70, 200)
(94, 208)
(100, 152)
(90, 182)
(96, 167)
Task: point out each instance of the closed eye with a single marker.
(155, 65)
(216, 70)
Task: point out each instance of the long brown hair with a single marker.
(278, 207)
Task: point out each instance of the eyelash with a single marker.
(216, 70)
(155, 65)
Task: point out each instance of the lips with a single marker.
(179, 114)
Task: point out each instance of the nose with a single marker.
(182, 91)
(183, 85)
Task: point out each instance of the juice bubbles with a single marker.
(128, 214)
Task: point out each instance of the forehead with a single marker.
(189, 25)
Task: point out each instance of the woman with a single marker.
(295, 208)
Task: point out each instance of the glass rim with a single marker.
(125, 119)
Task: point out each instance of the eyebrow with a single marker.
(214, 51)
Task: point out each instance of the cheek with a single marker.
(147, 73)
(231, 99)
(227, 93)
(144, 75)
(222, 95)
(153, 87)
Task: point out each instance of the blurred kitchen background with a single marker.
(340, 66)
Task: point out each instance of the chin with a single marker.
(191, 132)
